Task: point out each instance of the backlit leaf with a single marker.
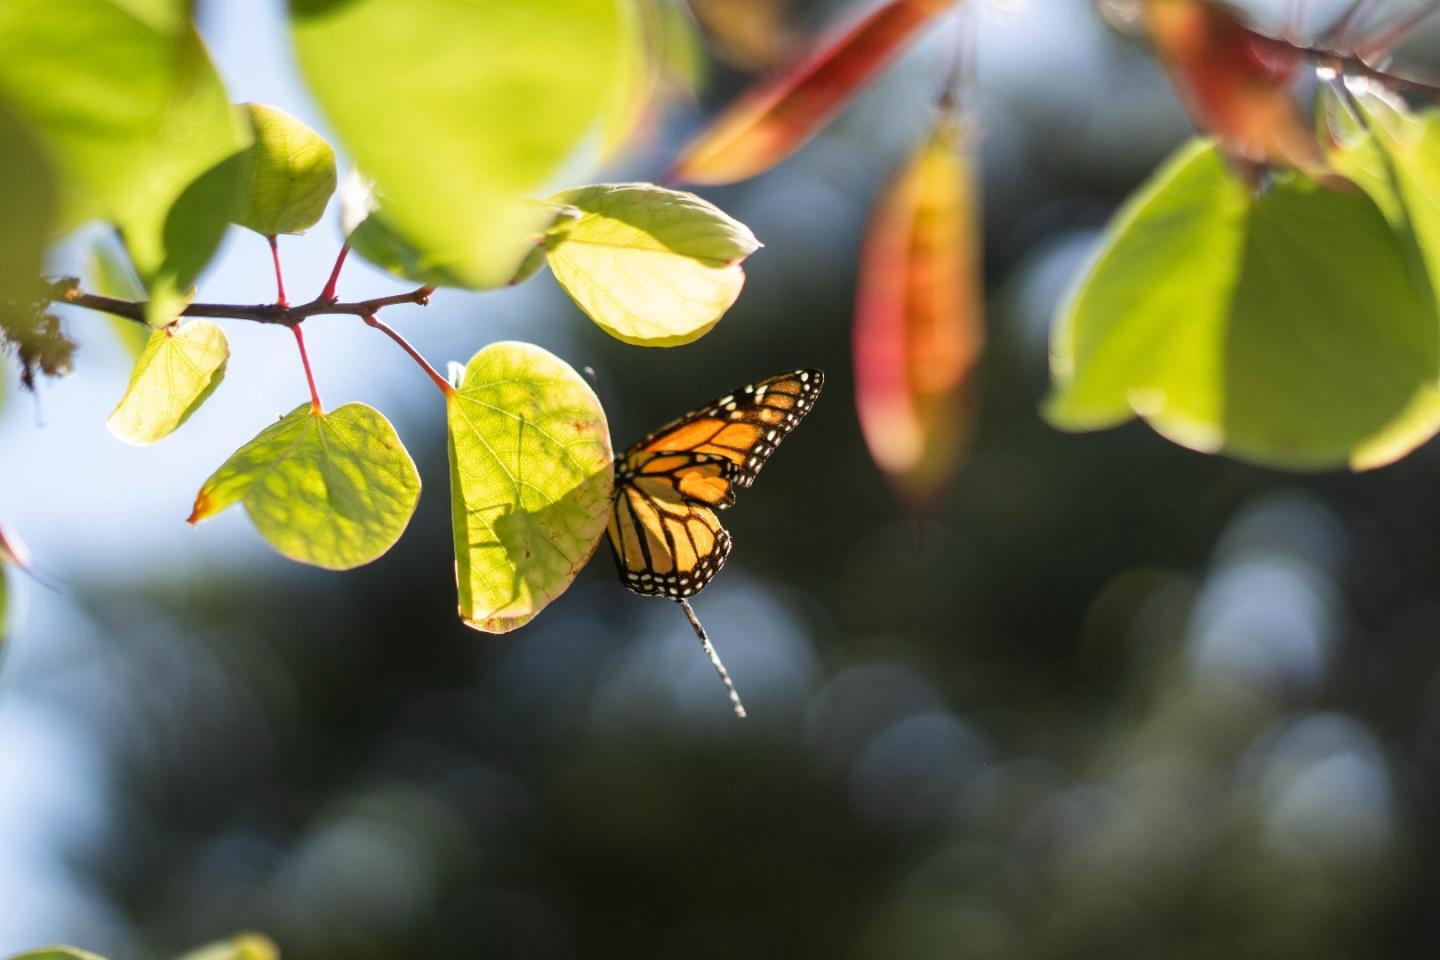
(27, 213)
(651, 266)
(530, 482)
(1235, 83)
(110, 274)
(290, 170)
(382, 244)
(1394, 157)
(179, 369)
(331, 489)
(777, 117)
(57, 953)
(136, 118)
(460, 111)
(1287, 329)
(246, 946)
(919, 329)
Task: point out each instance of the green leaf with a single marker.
(291, 173)
(331, 489)
(27, 212)
(57, 953)
(178, 371)
(109, 273)
(133, 114)
(1288, 330)
(190, 236)
(530, 482)
(459, 110)
(246, 946)
(651, 266)
(1394, 157)
(4, 605)
(382, 244)
(535, 260)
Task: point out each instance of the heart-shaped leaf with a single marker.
(1288, 329)
(652, 266)
(530, 482)
(27, 214)
(466, 109)
(331, 489)
(290, 173)
(136, 120)
(176, 373)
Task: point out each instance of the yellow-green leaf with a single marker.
(27, 213)
(1394, 156)
(176, 373)
(460, 110)
(1289, 329)
(4, 605)
(651, 266)
(138, 125)
(331, 489)
(378, 241)
(246, 946)
(110, 274)
(57, 953)
(291, 173)
(530, 482)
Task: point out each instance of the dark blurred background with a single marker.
(1120, 699)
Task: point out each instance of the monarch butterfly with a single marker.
(664, 533)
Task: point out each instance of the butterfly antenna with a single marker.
(709, 649)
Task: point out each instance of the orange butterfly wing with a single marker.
(663, 530)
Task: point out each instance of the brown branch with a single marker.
(67, 291)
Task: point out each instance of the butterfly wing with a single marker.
(667, 540)
(663, 530)
(744, 427)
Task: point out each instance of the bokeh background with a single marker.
(1118, 699)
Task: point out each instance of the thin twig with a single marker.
(257, 313)
(444, 385)
(329, 292)
(709, 649)
(315, 406)
(280, 300)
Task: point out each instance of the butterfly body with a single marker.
(664, 532)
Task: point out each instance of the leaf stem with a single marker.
(709, 649)
(329, 292)
(431, 372)
(315, 406)
(280, 300)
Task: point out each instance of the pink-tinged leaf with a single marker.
(12, 550)
(1236, 83)
(919, 328)
(774, 119)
